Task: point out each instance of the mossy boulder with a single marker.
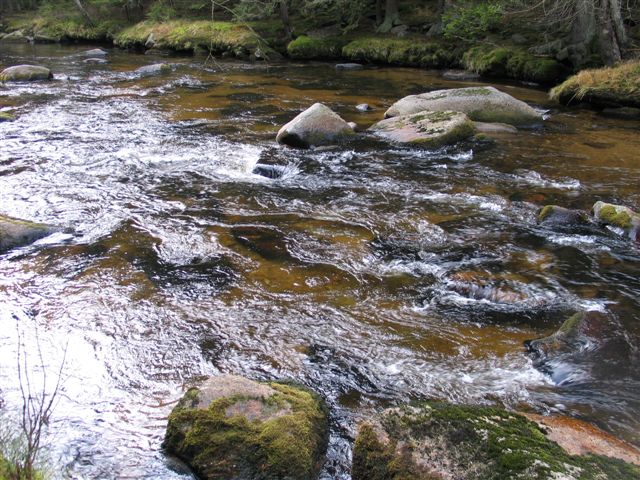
(317, 125)
(432, 440)
(513, 63)
(483, 104)
(428, 129)
(620, 217)
(155, 69)
(580, 332)
(23, 73)
(234, 428)
(6, 117)
(560, 216)
(16, 233)
(307, 48)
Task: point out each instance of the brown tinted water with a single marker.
(375, 275)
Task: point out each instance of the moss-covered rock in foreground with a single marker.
(428, 129)
(15, 232)
(603, 87)
(620, 217)
(438, 440)
(234, 428)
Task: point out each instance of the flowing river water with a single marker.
(373, 274)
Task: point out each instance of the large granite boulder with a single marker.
(16, 233)
(619, 217)
(429, 129)
(482, 104)
(317, 125)
(442, 441)
(234, 428)
(21, 73)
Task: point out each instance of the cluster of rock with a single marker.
(621, 219)
(430, 119)
(234, 428)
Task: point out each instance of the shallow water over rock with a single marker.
(373, 274)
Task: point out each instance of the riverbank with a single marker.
(266, 40)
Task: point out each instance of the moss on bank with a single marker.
(407, 51)
(182, 35)
(513, 63)
(308, 48)
(67, 29)
(430, 440)
(613, 86)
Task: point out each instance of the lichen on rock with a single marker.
(234, 428)
(483, 104)
(432, 440)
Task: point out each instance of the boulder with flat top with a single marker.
(317, 125)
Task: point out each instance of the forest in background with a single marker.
(575, 33)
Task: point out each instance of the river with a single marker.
(373, 274)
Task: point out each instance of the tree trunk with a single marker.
(286, 21)
(391, 16)
(597, 23)
(84, 12)
(379, 12)
(436, 28)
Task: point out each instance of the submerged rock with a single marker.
(438, 440)
(618, 216)
(483, 104)
(21, 73)
(460, 75)
(349, 66)
(580, 332)
(98, 61)
(622, 113)
(235, 428)
(429, 129)
(560, 216)
(363, 107)
(96, 52)
(317, 125)
(155, 69)
(16, 233)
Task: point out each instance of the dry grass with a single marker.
(620, 84)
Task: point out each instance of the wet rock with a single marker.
(429, 129)
(460, 75)
(6, 117)
(15, 37)
(16, 233)
(489, 128)
(620, 217)
(97, 61)
(353, 125)
(267, 242)
(155, 69)
(234, 428)
(560, 216)
(269, 171)
(622, 113)
(363, 107)
(317, 125)
(580, 332)
(21, 73)
(96, 52)
(483, 104)
(438, 440)
(349, 66)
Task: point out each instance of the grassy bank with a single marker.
(604, 87)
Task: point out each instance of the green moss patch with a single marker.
(513, 63)
(307, 48)
(409, 51)
(6, 117)
(432, 440)
(283, 437)
(216, 37)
